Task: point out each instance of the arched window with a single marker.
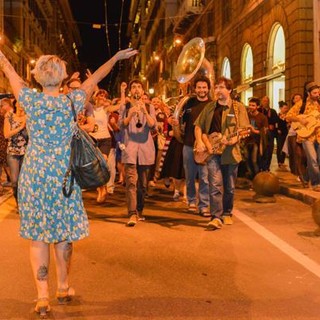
(276, 65)
(226, 69)
(246, 72)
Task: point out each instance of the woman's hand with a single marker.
(16, 82)
(75, 75)
(125, 54)
(123, 86)
(89, 84)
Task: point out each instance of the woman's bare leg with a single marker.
(63, 253)
(40, 258)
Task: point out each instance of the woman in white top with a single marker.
(101, 110)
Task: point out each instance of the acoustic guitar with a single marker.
(215, 139)
(305, 131)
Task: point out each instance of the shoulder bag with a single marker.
(87, 165)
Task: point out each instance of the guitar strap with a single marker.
(236, 112)
(303, 108)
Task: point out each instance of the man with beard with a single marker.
(136, 120)
(302, 115)
(254, 143)
(223, 117)
(192, 170)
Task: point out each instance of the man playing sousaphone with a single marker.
(227, 117)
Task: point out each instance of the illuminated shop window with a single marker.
(246, 72)
(226, 69)
(276, 65)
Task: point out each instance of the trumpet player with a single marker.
(137, 120)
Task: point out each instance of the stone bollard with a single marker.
(265, 184)
(316, 216)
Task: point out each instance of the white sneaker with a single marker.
(176, 195)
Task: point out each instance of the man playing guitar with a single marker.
(300, 113)
(224, 116)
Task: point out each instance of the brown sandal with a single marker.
(65, 295)
(42, 307)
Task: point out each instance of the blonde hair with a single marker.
(50, 71)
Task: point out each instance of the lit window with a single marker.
(276, 65)
(246, 72)
(226, 69)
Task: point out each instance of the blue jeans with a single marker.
(191, 171)
(222, 181)
(311, 150)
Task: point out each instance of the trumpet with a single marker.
(138, 124)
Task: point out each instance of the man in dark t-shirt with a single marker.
(255, 142)
(272, 117)
(192, 109)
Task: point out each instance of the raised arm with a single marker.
(15, 80)
(89, 84)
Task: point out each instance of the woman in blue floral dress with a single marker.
(46, 215)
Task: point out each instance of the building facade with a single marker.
(31, 28)
(268, 47)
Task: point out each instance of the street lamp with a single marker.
(177, 41)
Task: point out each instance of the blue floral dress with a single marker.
(45, 214)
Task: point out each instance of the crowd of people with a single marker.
(144, 143)
(137, 137)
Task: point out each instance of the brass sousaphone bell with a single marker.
(191, 61)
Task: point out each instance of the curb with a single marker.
(298, 195)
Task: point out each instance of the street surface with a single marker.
(265, 266)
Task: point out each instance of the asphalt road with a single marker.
(265, 266)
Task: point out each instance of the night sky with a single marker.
(94, 50)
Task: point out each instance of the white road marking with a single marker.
(286, 248)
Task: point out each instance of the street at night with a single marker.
(160, 159)
(170, 267)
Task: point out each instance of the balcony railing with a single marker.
(188, 10)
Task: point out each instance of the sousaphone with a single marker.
(191, 61)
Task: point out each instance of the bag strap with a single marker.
(67, 193)
(73, 109)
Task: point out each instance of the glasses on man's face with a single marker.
(220, 87)
(73, 88)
